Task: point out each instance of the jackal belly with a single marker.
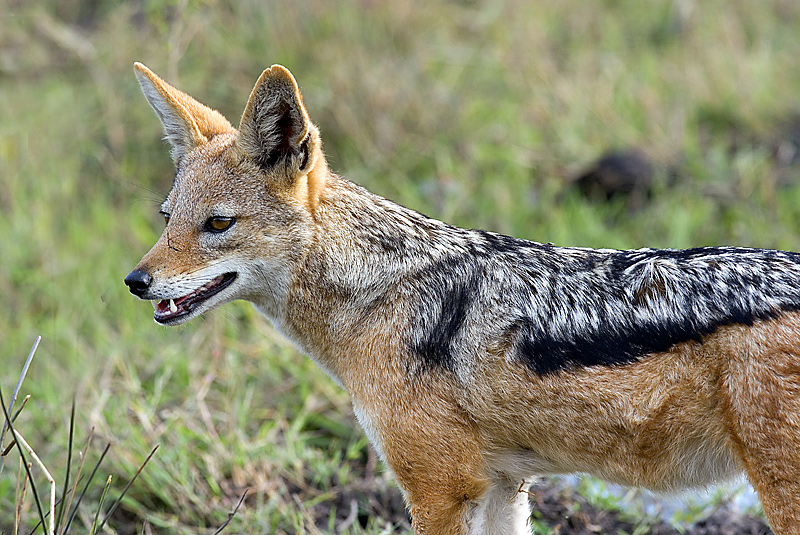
(692, 464)
(657, 423)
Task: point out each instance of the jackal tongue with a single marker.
(169, 305)
(181, 304)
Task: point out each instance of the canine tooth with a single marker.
(172, 307)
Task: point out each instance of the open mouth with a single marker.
(169, 310)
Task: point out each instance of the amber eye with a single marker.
(166, 217)
(219, 224)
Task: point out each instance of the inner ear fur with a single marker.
(275, 130)
(187, 123)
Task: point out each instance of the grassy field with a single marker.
(481, 113)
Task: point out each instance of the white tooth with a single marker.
(172, 307)
(155, 304)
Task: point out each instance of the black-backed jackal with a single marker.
(476, 361)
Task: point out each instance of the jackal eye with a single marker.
(219, 224)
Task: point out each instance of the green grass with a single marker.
(479, 113)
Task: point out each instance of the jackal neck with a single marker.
(363, 248)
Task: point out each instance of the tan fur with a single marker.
(461, 443)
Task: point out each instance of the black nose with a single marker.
(138, 282)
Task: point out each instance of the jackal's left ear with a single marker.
(187, 123)
(275, 128)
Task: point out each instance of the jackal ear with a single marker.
(187, 123)
(275, 127)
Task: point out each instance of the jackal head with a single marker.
(242, 202)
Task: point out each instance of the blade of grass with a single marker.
(46, 516)
(19, 382)
(19, 410)
(85, 487)
(43, 468)
(13, 419)
(95, 528)
(24, 461)
(61, 508)
(77, 477)
(15, 393)
(128, 486)
(20, 496)
(308, 520)
(232, 513)
(7, 451)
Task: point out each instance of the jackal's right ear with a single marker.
(187, 123)
(275, 128)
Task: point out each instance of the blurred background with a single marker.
(617, 123)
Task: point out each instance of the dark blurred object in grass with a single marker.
(619, 173)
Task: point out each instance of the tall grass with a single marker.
(477, 112)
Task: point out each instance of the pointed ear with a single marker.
(187, 123)
(275, 127)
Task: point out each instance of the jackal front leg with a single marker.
(435, 454)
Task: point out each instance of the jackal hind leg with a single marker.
(765, 421)
(503, 510)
